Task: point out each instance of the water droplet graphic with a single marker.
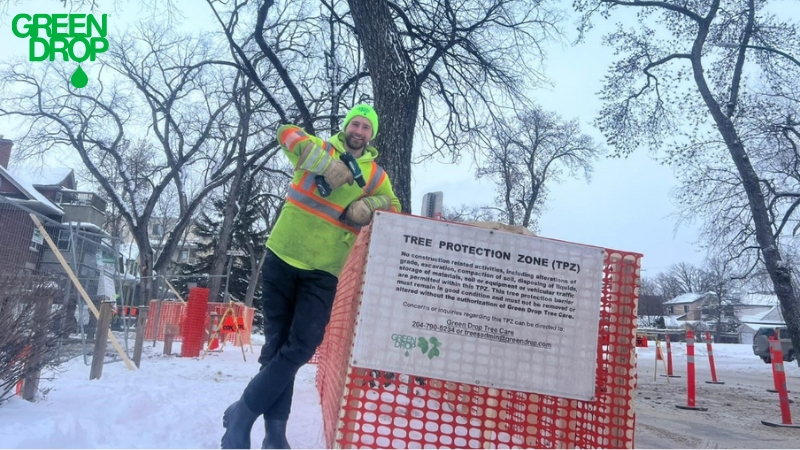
(79, 78)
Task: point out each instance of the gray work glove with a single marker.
(315, 159)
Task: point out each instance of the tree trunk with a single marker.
(254, 276)
(223, 240)
(778, 271)
(145, 264)
(395, 87)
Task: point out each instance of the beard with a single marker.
(350, 143)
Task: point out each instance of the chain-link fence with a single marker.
(39, 300)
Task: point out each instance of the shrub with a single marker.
(32, 322)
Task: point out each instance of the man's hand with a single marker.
(360, 211)
(337, 174)
(315, 159)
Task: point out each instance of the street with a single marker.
(735, 409)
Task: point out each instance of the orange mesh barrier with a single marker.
(172, 313)
(193, 325)
(368, 408)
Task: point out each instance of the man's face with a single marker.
(358, 132)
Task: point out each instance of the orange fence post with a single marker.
(192, 329)
(711, 361)
(776, 354)
(690, 388)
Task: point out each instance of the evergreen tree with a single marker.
(248, 228)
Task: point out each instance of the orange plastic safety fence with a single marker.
(193, 324)
(334, 352)
(167, 313)
(370, 408)
(172, 313)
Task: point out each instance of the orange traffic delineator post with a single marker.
(777, 337)
(669, 360)
(690, 403)
(780, 382)
(711, 361)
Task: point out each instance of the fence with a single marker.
(370, 408)
(163, 313)
(27, 258)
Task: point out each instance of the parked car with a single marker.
(761, 343)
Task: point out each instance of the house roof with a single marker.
(45, 176)
(86, 226)
(759, 299)
(32, 195)
(673, 321)
(685, 298)
(753, 313)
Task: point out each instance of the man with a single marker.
(305, 254)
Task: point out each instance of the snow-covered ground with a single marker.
(171, 402)
(174, 402)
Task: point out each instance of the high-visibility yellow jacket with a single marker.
(308, 233)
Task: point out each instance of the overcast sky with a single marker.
(626, 206)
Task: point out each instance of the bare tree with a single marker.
(721, 307)
(468, 213)
(449, 66)
(691, 70)
(651, 305)
(170, 91)
(681, 278)
(531, 152)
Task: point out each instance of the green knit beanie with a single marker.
(367, 112)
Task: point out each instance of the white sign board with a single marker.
(485, 307)
(108, 289)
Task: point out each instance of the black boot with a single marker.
(238, 421)
(275, 434)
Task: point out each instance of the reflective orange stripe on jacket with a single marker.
(291, 137)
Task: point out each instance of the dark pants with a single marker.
(297, 307)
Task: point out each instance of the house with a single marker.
(20, 240)
(688, 307)
(752, 311)
(53, 193)
(761, 310)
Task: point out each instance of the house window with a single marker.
(158, 230)
(64, 242)
(672, 310)
(685, 308)
(184, 255)
(36, 240)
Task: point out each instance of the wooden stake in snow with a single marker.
(79, 287)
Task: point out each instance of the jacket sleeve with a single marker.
(292, 140)
(385, 188)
